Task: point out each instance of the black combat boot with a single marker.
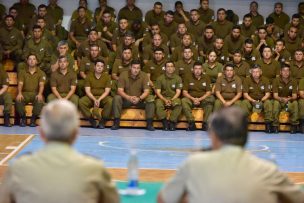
(33, 121)
(172, 126)
(275, 129)
(191, 126)
(101, 124)
(22, 122)
(116, 124)
(204, 126)
(302, 125)
(7, 122)
(150, 125)
(93, 122)
(165, 124)
(293, 129)
(268, 128)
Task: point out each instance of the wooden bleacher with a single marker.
(134, 117)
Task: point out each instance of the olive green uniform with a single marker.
(107, 8)
(111, 27)
(168, 87)
(222, 29)
(280, 20)
(297, 72)
(84, 48)
(25, 14)
(63, 85)
(300, 100)
(252, 57)
(257, 20)
(184, 69)
(148, 37)
(71, 61)
(5, 98)
(133, 47)
(133, 87)
(43, 52)
(154, 69)
(212, 72)
(271, 70)
(168, 29)
(205, 45)
(12, 40)
(149, 51)
(228, 90)
(257, 91)
(292, 45)
(196, 29)
(152, 18)
(80, 30)
(178, 53)
(197, 88)
(2, 11)
(231, 45)
(89, 15)
(98, 86)
(119, 66)
(30, 90)
(284, 57)
(269, 41)
(118, 36)
(242, 70)
(50, 24)
(285, 90)
(178, 18)
(206, 16)
(130, 15)
(247, 32)
(300, 29)
(55, 12)
(222, 56)
(48, 36)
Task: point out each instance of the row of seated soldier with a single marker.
(168, 47)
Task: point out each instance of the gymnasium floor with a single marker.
(159, 152)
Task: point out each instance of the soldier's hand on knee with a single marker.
(39, 98)
(19, 97)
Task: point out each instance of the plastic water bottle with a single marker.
(133, 170)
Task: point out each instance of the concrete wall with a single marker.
(241, 7)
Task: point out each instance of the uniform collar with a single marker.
(137, 77)
(28, 70)
(282, 81)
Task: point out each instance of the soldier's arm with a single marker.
(159, 95)
(207, 94)
(56, 93)
(267, 95)
(220, 97)
(177, 94)
(41, 88)
(186, 94)
(105, 94)
(246, 96)
(236, 97)
(276, 97)
(89, 93)
(144, 94)
(301, 94)
(71, 92)
(20, 87)
(122, 93)
(3, 89)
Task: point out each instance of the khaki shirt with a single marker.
(169, 85)
(72, 176)
(252, 57)
(87, 65)
(98, 85)
(31, 81)
(11, 39)
(178, 18)
(197, 87)
(257, 20)
(71, 60)
(56, 13)
(49, 21)
(228, 89)
(206, 16)
(84, 48)
(133, 86)
(149, 51)
(25, 12)
(248, 32)
(269, 41)
(155, 69)
(111, 27)
(118, 36)
(168, 29)
(284, 89)
(183, 69)
(130, 15)
(271, 70)
(231, 45)
(256, 90)
(301, 84)
(205, 45)
(213, 72)
(296, 71)
(242, 70)
(222, 29)
(152, 18)
(196, 29)
(178, 53)
(284, 57)
(119, 66)
(280, 20)
(292, 45)
(63, 82)
(134, 49)
(81, 30)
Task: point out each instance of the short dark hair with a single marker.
(178, 3)
(248, 41)
(254, 2)
(170, 61)
(135, 62)
(99, 61)
(278, 4)
(194, 10)
(159, 49)
(221, 9)
(231, 65)
(230, 126)
(197, 63)
(36, 27)
(285, 65)
(269, 20)
(281, 40)
(61, 57)
(236, 27)
(296, 15)
(169, 12)
(237, 51)
(266, 47)
(248, 15)
(126, 48)
(255, 66)
(81, 7)
(209, 27)
(9, 16)
(42, 6)
(158, 3)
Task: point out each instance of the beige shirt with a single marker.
(230, 175)
(57, 174)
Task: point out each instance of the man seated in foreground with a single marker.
(220, 174)
(58, 173)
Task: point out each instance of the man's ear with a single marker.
(42, 135)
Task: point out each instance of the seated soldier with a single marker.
(133, 90)
(212, 67)
(119, 33)
(250, 54)
(11, 39)
(79, 28)
(55, 12)
(5, 97)
(168, 25)
(222, 26)
(221, 53)
(106, 27)
(280, 52)
(257, 19)
(149, 35)
(128, 42)
(292, 40)
(256, 92)
(206, 13)
(241, 68)
(270, 67)
(26, 11)
(176, 38)
(168, 89)
(247, 28)
(232, 17)
(279, 16)
(228, 89)
(87, 65)
(122, 64)
(261, 39)
(301, 104)
(195, 26)
(130, 12)
(41, 48)
(177, 54)
(31, 82)
(154, 15)
(233, 41)
(205, 43)
(18, 21)
(62, 50)
(295, 22)
(184, 66)
(63, 82)
(297, 65)
(97, 88)
(84, 48)
(180, 15)
(103, 7)
(197, 93)
(273, 31)
(157, 42)
(155, 67)
(49, 21)
(285, 96)
(88, 14)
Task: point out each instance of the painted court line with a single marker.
(18, 148)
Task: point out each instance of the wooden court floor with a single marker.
(10, 145)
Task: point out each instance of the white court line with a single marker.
(10, 155)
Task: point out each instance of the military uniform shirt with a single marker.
(56, 13)
(213, 72)
(168, 29)
(196, 29)
(206, 16)
(149, 51)
(81, 29)
(119, 67)
(63, 82)
(31, 81)
(257, 20)
(242, 70)
(228, 89)
(98, 85)
(183, 69)
(222, 29)
(301, 84)
(197, 87)
(133, 87)
(11, 39)
(270, 70)
(296, 71)
(248, 32)
(178, 18)
(111, 27)
(84, 48)
(280, 20)
(256, 90)
(130, 15)
(152, 18)
(154, 69)
(169, 85)
(284, 89)
(231, 45)
(87, 65)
